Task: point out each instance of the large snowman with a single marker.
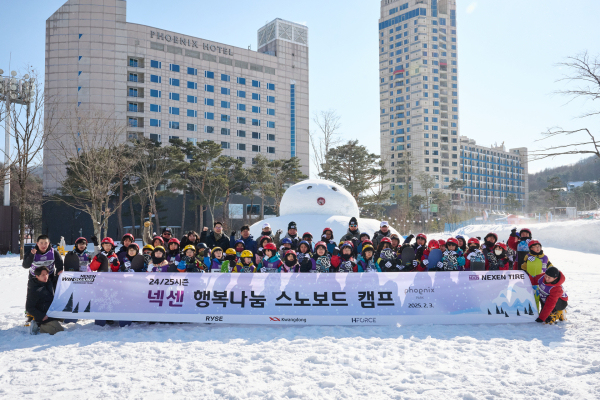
(314, 205)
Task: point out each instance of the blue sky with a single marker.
(507, 53)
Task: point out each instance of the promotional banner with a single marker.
(301, 299)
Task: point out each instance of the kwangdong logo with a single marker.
(82, 279)
(275, 319)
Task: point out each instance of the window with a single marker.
(173, 82)
(270, 111)
(209, 115)
(270, 124)
(192, 85)
(241, 146)
(174, 67)
(174, 110)
(271, 150)
(255, 135)
(192, 99)
(271, 137)
(225, 131)
(209, 129)
(225, 104)
(155, 108)
(224, 145)
(241, 93)
(241, 107)
(192, 113)
(133, 92)
(271, 86)
(154, 93)
(155, 137)
(256, 109)
(255, 96)
(155, 64)
(241, 120)
(155, 78)
(241, 81)
(256, 148)
(255, 83)
(271, 99)
(225, 78)
(241, 133)
(133, 122)
(225, 90)
(192, 71)
(209, 88)
(224, 118)
(133, 62)
(256, 122)
(209, 102)
(173, 125)
(191, 127)
(242, 159)
(174, 96)
(209, 74)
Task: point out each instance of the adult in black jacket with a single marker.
(384, 231)
(40, 294)
(353, 235)
(215, 238)
(191, 238)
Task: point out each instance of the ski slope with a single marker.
(144, 361)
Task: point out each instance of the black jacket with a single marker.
(377, 236)
(185, 241)
(211, 242)
(39, 298)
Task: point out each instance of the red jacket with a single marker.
(549, 293)
(95, 264)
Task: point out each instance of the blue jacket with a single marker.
(249, 243)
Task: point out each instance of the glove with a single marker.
(531, 258)
(115, 262)
(279, 232)
(538, 320)
(461, 261)
(101, 257)
(549, 319)
(232, 233)
(425, 262)
(94, 240)
(440, 264)
(408, 239)
(336, 251)
(323, 237)
(147, 224)
(388, 264)
(415, 263)
(513, 232)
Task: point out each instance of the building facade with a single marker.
(418, 72)
(164, 84)
(493, 175)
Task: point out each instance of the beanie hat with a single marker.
(553, 272)
(292, 225)
(353, 221)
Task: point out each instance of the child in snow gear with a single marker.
(80, 250)
(395, 243)
(271, 261)
(344, 262)
(462, 243)
(261, 245)
(473, 254)
(245, 264)
(488, 243)
(132, 250)
(147, 253)
(500, 260)
(453, 257)
(290, 262)
(308, 237)
(553, 298)
(535, 264)
(158, 262)
(366, 260)
(189, 262)
(320, 260)
(387, 261)
(363, 236)
(173, 255)
(519, 243)
(442, 244)
(216, 261)
(126, 240)
(424, 261)
(40, 293)
(231, 259)
(384, 243)
(158, 241)
(239, 247)
(44, 255)
(286, 244)
(106, 255)
(327, 237)
(304, 257)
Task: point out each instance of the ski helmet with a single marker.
(240, 241)
(433, 244)
(526, 230)
(270, 246)
(304, 242)
(148, 247)
(158, 238)
(286, 240)
(230, 252)
(307, 234)
(189, 247)
(108, 240)
(127, 235)
(81, 239)
(533, 243)
(175, 240)
(442, 242)
(347, 244)
(159, 248)
(453, 241)
(474, 241)
(422, 236)
(491, 234)
(501, 245)
(215, 249)
(367, 242)
(365, 234)
(201, 246)
(386, 240)
(290, 252)
(368, 247)
(460, 237)
(246, 254)
(321, 244)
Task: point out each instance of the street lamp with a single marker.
(13, 91)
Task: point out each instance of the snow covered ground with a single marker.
(267, 362)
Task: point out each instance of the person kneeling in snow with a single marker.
(553, 299)
(40, 294)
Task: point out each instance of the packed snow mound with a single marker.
(578, 235)
(318, 196)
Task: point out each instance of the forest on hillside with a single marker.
(587, 169)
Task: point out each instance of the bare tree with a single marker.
(92, 143)
(30, 131)
(328, 123)
(584, 74)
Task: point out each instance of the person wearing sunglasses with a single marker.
(353, 236)
(167, 235)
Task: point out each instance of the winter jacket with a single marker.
(453, 260)
(549, 293)
(272, 264)
(173, 257)
(121, 254)
(305, 263)
(353, 237)
(39, 298)
(249, 243)
(50, 259)
(190, 265)
(85, 257)
(113, 262)
(228, 263)
(516, 244)
(331, 245)
(211, 241)
(162, 267)
(185, 241)
(343, 263)
(363, 265)
(533, 267)
(216, 265)
(377, 236)
(474, 255)
(321, 264)
(241, 268)
(387, 264)
(497, 263)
